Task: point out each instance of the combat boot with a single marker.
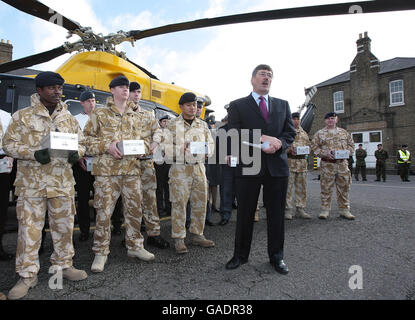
(345, 213)
(302, 214)
(324, 214)
(141, 254)
(22, 287)
(200, 240)
(288, 215)
(99, 263)
(74, 274)
(180, 246)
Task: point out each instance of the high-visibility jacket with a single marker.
(404, 156)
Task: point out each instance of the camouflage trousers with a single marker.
(31, 214)
(297, 180)
(335, 174)
(188, 182)
(149, 205)
(107, 191)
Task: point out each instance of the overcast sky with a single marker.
(218, 61)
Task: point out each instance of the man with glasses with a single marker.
(272, 117)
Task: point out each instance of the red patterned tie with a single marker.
(263, 108)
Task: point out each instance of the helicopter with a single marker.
(98, 61)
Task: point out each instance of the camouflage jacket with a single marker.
(326, 140)
(106, 125)
(1, 136)
(181, 132)
(150, 132)
(22, 139)
(160, 152)
(360, 157)
(301, 140)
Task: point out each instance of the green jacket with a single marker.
(361, 154)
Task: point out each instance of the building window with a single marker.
(338, 98)
(374, 137)
(396, 92)
(357, 137)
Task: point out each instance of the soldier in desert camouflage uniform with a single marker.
(187, 176)
(298, 173)
(333, 171)
(115, 174)
(43, 183)
(2, 296)
(151, 133)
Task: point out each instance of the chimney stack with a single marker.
(6, 51)
(363, 43)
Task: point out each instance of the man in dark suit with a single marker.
(272, 117)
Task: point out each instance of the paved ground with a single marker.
(319, 254)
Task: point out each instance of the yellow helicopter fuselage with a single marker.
(96, 69)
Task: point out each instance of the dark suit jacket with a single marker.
(244, 113)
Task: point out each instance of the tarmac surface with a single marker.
(370, 258)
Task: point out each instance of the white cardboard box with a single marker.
(303, 150)
(4, 166)
(60, 144)
(341, 154)
(199, 148)
(131, 147)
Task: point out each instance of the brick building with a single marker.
(375, 102)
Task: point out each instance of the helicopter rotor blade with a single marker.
(38, 9)
(32, 60)
(300, 12)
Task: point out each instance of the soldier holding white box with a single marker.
(334, 145)
(187, 173)
(43, 182)
(297, 180)
(115, 173)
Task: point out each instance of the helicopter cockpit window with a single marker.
(23, 102)
(24, 90)
(74, 106)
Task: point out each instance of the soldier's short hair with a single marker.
(379, 145)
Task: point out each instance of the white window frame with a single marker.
(394, 93)
(337, 102)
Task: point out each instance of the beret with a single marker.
(187, 97)
(49, 78)
(295, 115)
(119, 81)
(166, 117)
(134, 86)
(86, 95)
(404, 146)
(330, 114)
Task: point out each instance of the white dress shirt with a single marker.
(258, 100)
